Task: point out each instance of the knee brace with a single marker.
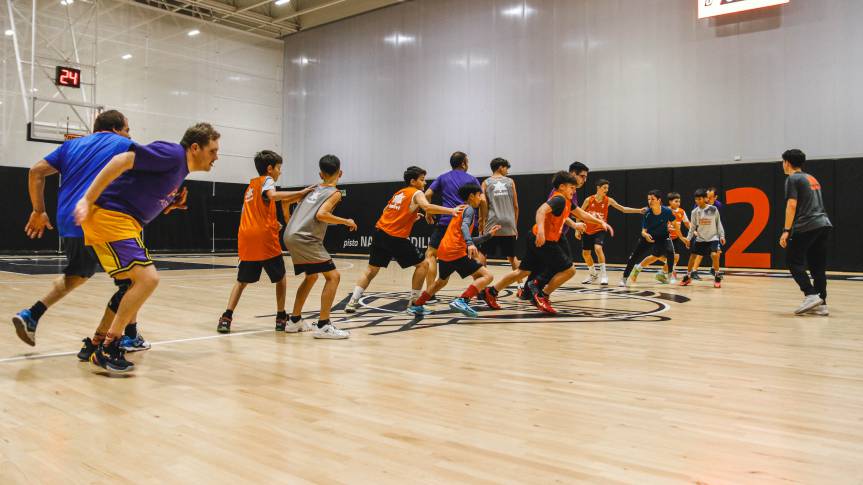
(123, 286)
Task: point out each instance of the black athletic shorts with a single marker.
(385, 248)
(437, 236)
(551, 258)
(679, 247)
(314, 268)
(589, 240)
(464, 266)
(499, 247)
(81, 260)
(250, 271)
(704, 248)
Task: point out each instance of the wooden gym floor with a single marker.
(655, 385)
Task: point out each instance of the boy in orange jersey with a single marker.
(392, 239)
(258, 237)
(680, 242)
(594, 236)
(458, 252)
(546, 257)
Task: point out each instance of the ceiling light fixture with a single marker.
(282, 2)
(193, 32)
(126, 57)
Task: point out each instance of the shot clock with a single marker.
(68, 77)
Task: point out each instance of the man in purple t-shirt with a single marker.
(132, 189)
(447, 185)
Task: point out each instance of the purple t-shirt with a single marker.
(447, 185)
(574, 205)
(151, 185)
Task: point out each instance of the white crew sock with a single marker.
(592, 269)
(358, 293)
(602, 267)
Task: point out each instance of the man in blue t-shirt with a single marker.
(654, 235)
(447, 185)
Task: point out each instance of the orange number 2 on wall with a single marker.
(736, 257)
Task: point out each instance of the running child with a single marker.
(680, 242)
(258, 237)
(654, 238)
(705, 236)
(458, 252)
(304, 238)
(392, 239)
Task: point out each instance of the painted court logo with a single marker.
(384, 312)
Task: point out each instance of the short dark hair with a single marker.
(457, 159)
(711, 189)
(656, 193)
(578, 167)
(499, 162)
(412, 173)
(795, 157)
(330, 164)
(700, 193)
(266, 158)
(672, 196)
(561, 178)
(201, 133)
(111, 120)
(465, 190)
(601, 182)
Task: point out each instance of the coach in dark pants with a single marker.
(805, 233)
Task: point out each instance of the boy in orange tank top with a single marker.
(594, 236)
(392, 239)
(258, 237)
(457, 252)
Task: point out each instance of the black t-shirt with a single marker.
(557, 204)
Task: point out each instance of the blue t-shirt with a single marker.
(447, 185)
(657, 224)
(79, 161)
(151, 185)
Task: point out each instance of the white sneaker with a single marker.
(672, 280)
(635, 272)
(591, 278)
(301, 326)
(330, 331)
(820, 310)
(810, 302)
(603, 279)
(624, 283)
(352, 306)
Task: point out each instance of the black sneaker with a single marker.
(696, 276)
(280, 324)
(224, 325)
(111, 358)
(87, 350)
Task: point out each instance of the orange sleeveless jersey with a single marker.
(398, 219)
(598, 210)
(679, 214)
(453, 245)
(258, 237)
(554, 224)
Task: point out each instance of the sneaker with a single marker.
(635, 272)
(686, 281)
(591, 278)
(662, 278)
(418, 310)
(544, 305)
(524, 293)
(696, 276)
(280, 324)
(301, 326)
(25, 327)
(810, 302)
(490, 298)
(603, 279)
(224, 325)
(352, 306)
(136, 344)
(460, 305)
(820, 310)
(433, 300)
(672, 280)
(329, 331)
(717, 283)
(624, 283)
(111, 358)
(87, 350)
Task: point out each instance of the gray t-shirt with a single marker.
(810, 213)
(304, 234)
(500, 194)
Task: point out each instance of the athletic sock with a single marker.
(470, 292)
(358, 293)
(282, 315)
(602, 267)
(37, 310)
(323, 323)
(228, 314)
(131, 330)
(424, 297)
(296, 318)
(592, 269)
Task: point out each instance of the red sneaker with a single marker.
(490, 299)
(717, 284)
(544, 305)
(686, 281)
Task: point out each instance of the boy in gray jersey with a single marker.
(805, 234)
(500, 208)
(706, 234)
(304, 238)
